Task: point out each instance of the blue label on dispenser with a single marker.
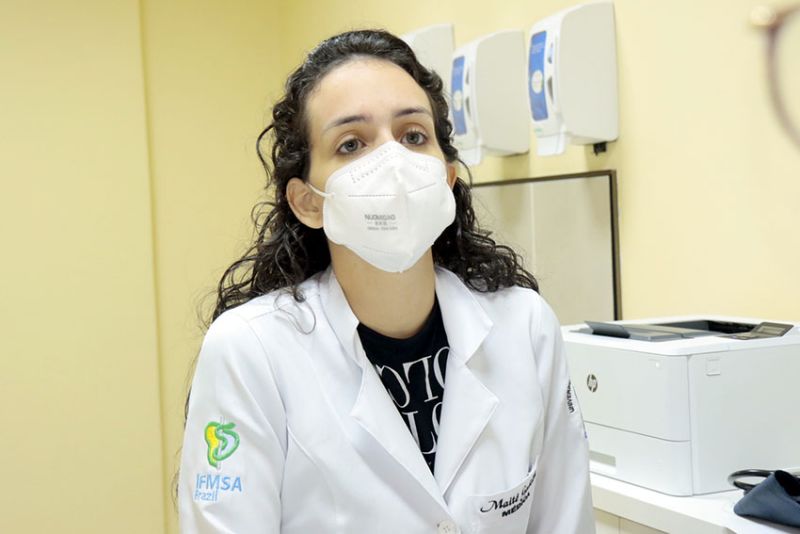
(536, 88)
(457, 102)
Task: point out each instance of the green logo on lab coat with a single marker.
(222, 442)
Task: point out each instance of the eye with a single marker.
(415, 137)
(349, 146)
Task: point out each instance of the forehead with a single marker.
(362, 86)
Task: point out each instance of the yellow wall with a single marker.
(128, 151)
(129, 154)
(79, 381)
(211, 72)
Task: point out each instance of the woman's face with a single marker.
(355, 108)
(361, 105)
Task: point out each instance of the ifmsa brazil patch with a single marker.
(222, 442)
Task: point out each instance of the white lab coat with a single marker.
(317, 445)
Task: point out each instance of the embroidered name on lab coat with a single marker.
(507, 503)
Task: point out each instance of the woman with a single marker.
(376, 363)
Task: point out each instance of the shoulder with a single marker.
(520, 318)
(244, 328)
(272, 303)
(521, 302)
(511, 309)
(268, 307)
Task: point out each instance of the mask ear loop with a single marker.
(320, 193)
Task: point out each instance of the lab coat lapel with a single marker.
(373, 409)
(376, 413)
(468, 405)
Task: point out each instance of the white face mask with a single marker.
(388, 206)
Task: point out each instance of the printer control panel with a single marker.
(764, 330)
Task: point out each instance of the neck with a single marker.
(392, 304)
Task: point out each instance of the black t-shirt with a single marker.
(413, 372)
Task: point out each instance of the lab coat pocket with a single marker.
(506, 512)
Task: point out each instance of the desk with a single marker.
(625, 508)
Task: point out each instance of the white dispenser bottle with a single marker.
(433, 47)
(488, 97)
(572, 78)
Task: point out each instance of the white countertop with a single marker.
(700, 514)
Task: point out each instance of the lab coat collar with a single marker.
(465, 320)
(462, 314)
(339, 314)
(467, 405)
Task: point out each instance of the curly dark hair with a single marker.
(286, 252)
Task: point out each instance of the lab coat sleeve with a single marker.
(562, 500)
(235, 437)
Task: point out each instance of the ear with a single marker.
(305, 204)
(451, 175)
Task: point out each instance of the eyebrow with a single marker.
(367, 118)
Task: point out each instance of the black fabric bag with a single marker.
(776, 499)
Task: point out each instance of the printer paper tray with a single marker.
(653, 463)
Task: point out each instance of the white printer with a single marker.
(677, 404)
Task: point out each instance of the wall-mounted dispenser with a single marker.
(433, 47)
(488, 97)
(572, 78)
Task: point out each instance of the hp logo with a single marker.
(591, 383)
